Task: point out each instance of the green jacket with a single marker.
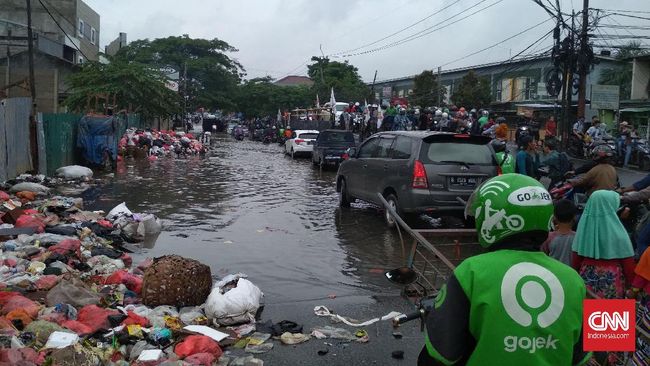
(508, 307)
(507, 162)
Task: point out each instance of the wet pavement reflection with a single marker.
(248, 208)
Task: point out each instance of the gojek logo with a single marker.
(532, 296)
(608, 325)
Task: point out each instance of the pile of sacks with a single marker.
(70, 294)
(154, 144)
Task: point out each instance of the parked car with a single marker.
(331, 146)
(300, 143)
(416, 171)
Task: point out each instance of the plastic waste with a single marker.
(118, 210)
(74, 172)
(238, 305)
(61, 340)
(333, 332)
(197, 344)
(325, 312)
(42, 329)
(294, 338)
(72, 292)
(207, 331)
(30, 187)
(153, 355)
(192, 315)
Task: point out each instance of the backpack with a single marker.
(565, 164)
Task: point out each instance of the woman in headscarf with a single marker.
(602, 250)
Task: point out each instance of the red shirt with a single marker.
(551, 128)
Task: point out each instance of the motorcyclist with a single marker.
(579, 128)
(601, 176)
(401, 121)
(595, 132)
(444, 122)
(527, 308)
(558, 163)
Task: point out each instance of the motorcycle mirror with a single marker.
(402, 276)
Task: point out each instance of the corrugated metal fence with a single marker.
(15, 156)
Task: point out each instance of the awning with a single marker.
(636, 110)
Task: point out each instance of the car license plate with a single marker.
(463, 181)
(310, 142)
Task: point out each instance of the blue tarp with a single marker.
(96, 135)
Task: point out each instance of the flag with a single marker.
(317, 101)
(333, 102)
(279, 115)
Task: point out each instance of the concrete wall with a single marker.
(640, 78)
(116, 45)
(91, 21)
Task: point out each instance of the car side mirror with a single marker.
(352, 152)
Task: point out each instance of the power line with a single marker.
(425, 32)
(625, 11)
(629, 16)
(61, 28)
(401, 30)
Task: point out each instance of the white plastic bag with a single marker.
(74, 172)
(30, 187)
(238, 305)
(118, 210)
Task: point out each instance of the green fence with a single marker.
(61, 138)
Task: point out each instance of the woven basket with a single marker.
(176, 281)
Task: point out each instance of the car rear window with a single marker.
(441, 152)
(308, 135)
(336, 137)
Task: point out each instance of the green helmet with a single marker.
(509, 204)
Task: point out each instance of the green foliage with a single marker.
(425, 90)
(473, 92)
(260, 97)
(343, 77)
(137, 88)
(212, 76)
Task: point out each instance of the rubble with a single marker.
(154, 144)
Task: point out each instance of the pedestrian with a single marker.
(527, 158)
(558, 243)
(602, 250)
(551, 128)
(625, 142)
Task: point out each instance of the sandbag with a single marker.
(31, 187)
(73, 292)
(237, 305)
(74, 172)
(166, 282)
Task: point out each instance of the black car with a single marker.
(331, 146)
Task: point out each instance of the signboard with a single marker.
(172, 85)
(387, 92)
(605, 97)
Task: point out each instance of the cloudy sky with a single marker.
(278, 37)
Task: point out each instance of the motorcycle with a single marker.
(640, 154)
(576, 146)
(405, 276)
(604, 140)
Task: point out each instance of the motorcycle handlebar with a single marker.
(407, 317)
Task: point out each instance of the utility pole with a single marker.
(8, 72)
(32, 88)
(439, 87)
(567, 87)
(583, 66)
(372, 88)
(320, 63)
(185, 93)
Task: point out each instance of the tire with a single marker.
(392, 201)
(344, 197)
(293, 154)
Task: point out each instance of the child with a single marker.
(558, 243)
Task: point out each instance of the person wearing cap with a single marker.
(625, 143)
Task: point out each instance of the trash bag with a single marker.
(133, 318)
(95, 317)
(42, 329)
(31, 187)
(197, 344)
(71, 291)
(46, 282)
(19, 315)
(74, 172)
(67, 246)
(200, 359)
(26, 195)
(158, 314)
(31, 221)
(238, 305)
(119, 210)
(165, 282)
(131, 281)
(20, 302)
(4, 196)
(192, 315)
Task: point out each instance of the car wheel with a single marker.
(392, 203)
(344, 198)
(293, 155)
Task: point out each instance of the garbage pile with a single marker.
(153, 144)
(70, 294)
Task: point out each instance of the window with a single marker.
(336, 137)
(93, 35)
(81, 28)
(441, 152)
(308, 136)
(384, 147)
(402, 148)
(367, 149)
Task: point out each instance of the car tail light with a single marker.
(298, 141)
(499, 170)
(345, 156)
(419, 176)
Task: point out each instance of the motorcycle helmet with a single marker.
(501, 120)
(356, 104)
(438, 113)
(499, 146)
(602, 152)
(507, 205)
(485, 112)
(445, 115)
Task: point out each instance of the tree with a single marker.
(136, 87)
(341, 76)
(260, 97)
(212, 76)
(473, 91)
(426, 89)
(622, 76)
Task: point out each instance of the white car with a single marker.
(301, 142)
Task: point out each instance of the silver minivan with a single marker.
(416, 171)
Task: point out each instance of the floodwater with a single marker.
(249, 208)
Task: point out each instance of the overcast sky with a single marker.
(278, 37)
